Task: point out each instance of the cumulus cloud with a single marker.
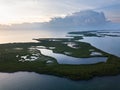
(82, 18)
(87, 19)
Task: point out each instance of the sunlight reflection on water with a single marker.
(9, 36)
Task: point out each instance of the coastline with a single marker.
(9, 63)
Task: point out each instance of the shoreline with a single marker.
(9, 63)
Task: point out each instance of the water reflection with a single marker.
(9, 36)
(64, 59)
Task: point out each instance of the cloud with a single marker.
(20, 11)
(82, 18)
(87, 18)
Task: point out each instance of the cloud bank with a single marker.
(83, 18)
(87, 19)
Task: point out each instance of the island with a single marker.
(31, 57)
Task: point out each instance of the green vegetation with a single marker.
(10, 63)
(87, 33)
(94, 34)
(77, 49)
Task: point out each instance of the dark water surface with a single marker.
(33, 81)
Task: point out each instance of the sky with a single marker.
(21, 11)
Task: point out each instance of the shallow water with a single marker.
(64, 59)
(107, 44)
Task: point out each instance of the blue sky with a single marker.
(20, 11)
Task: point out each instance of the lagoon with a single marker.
(64, 59)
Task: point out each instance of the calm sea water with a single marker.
(9, 36)
(33, 81)
(107, 44)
